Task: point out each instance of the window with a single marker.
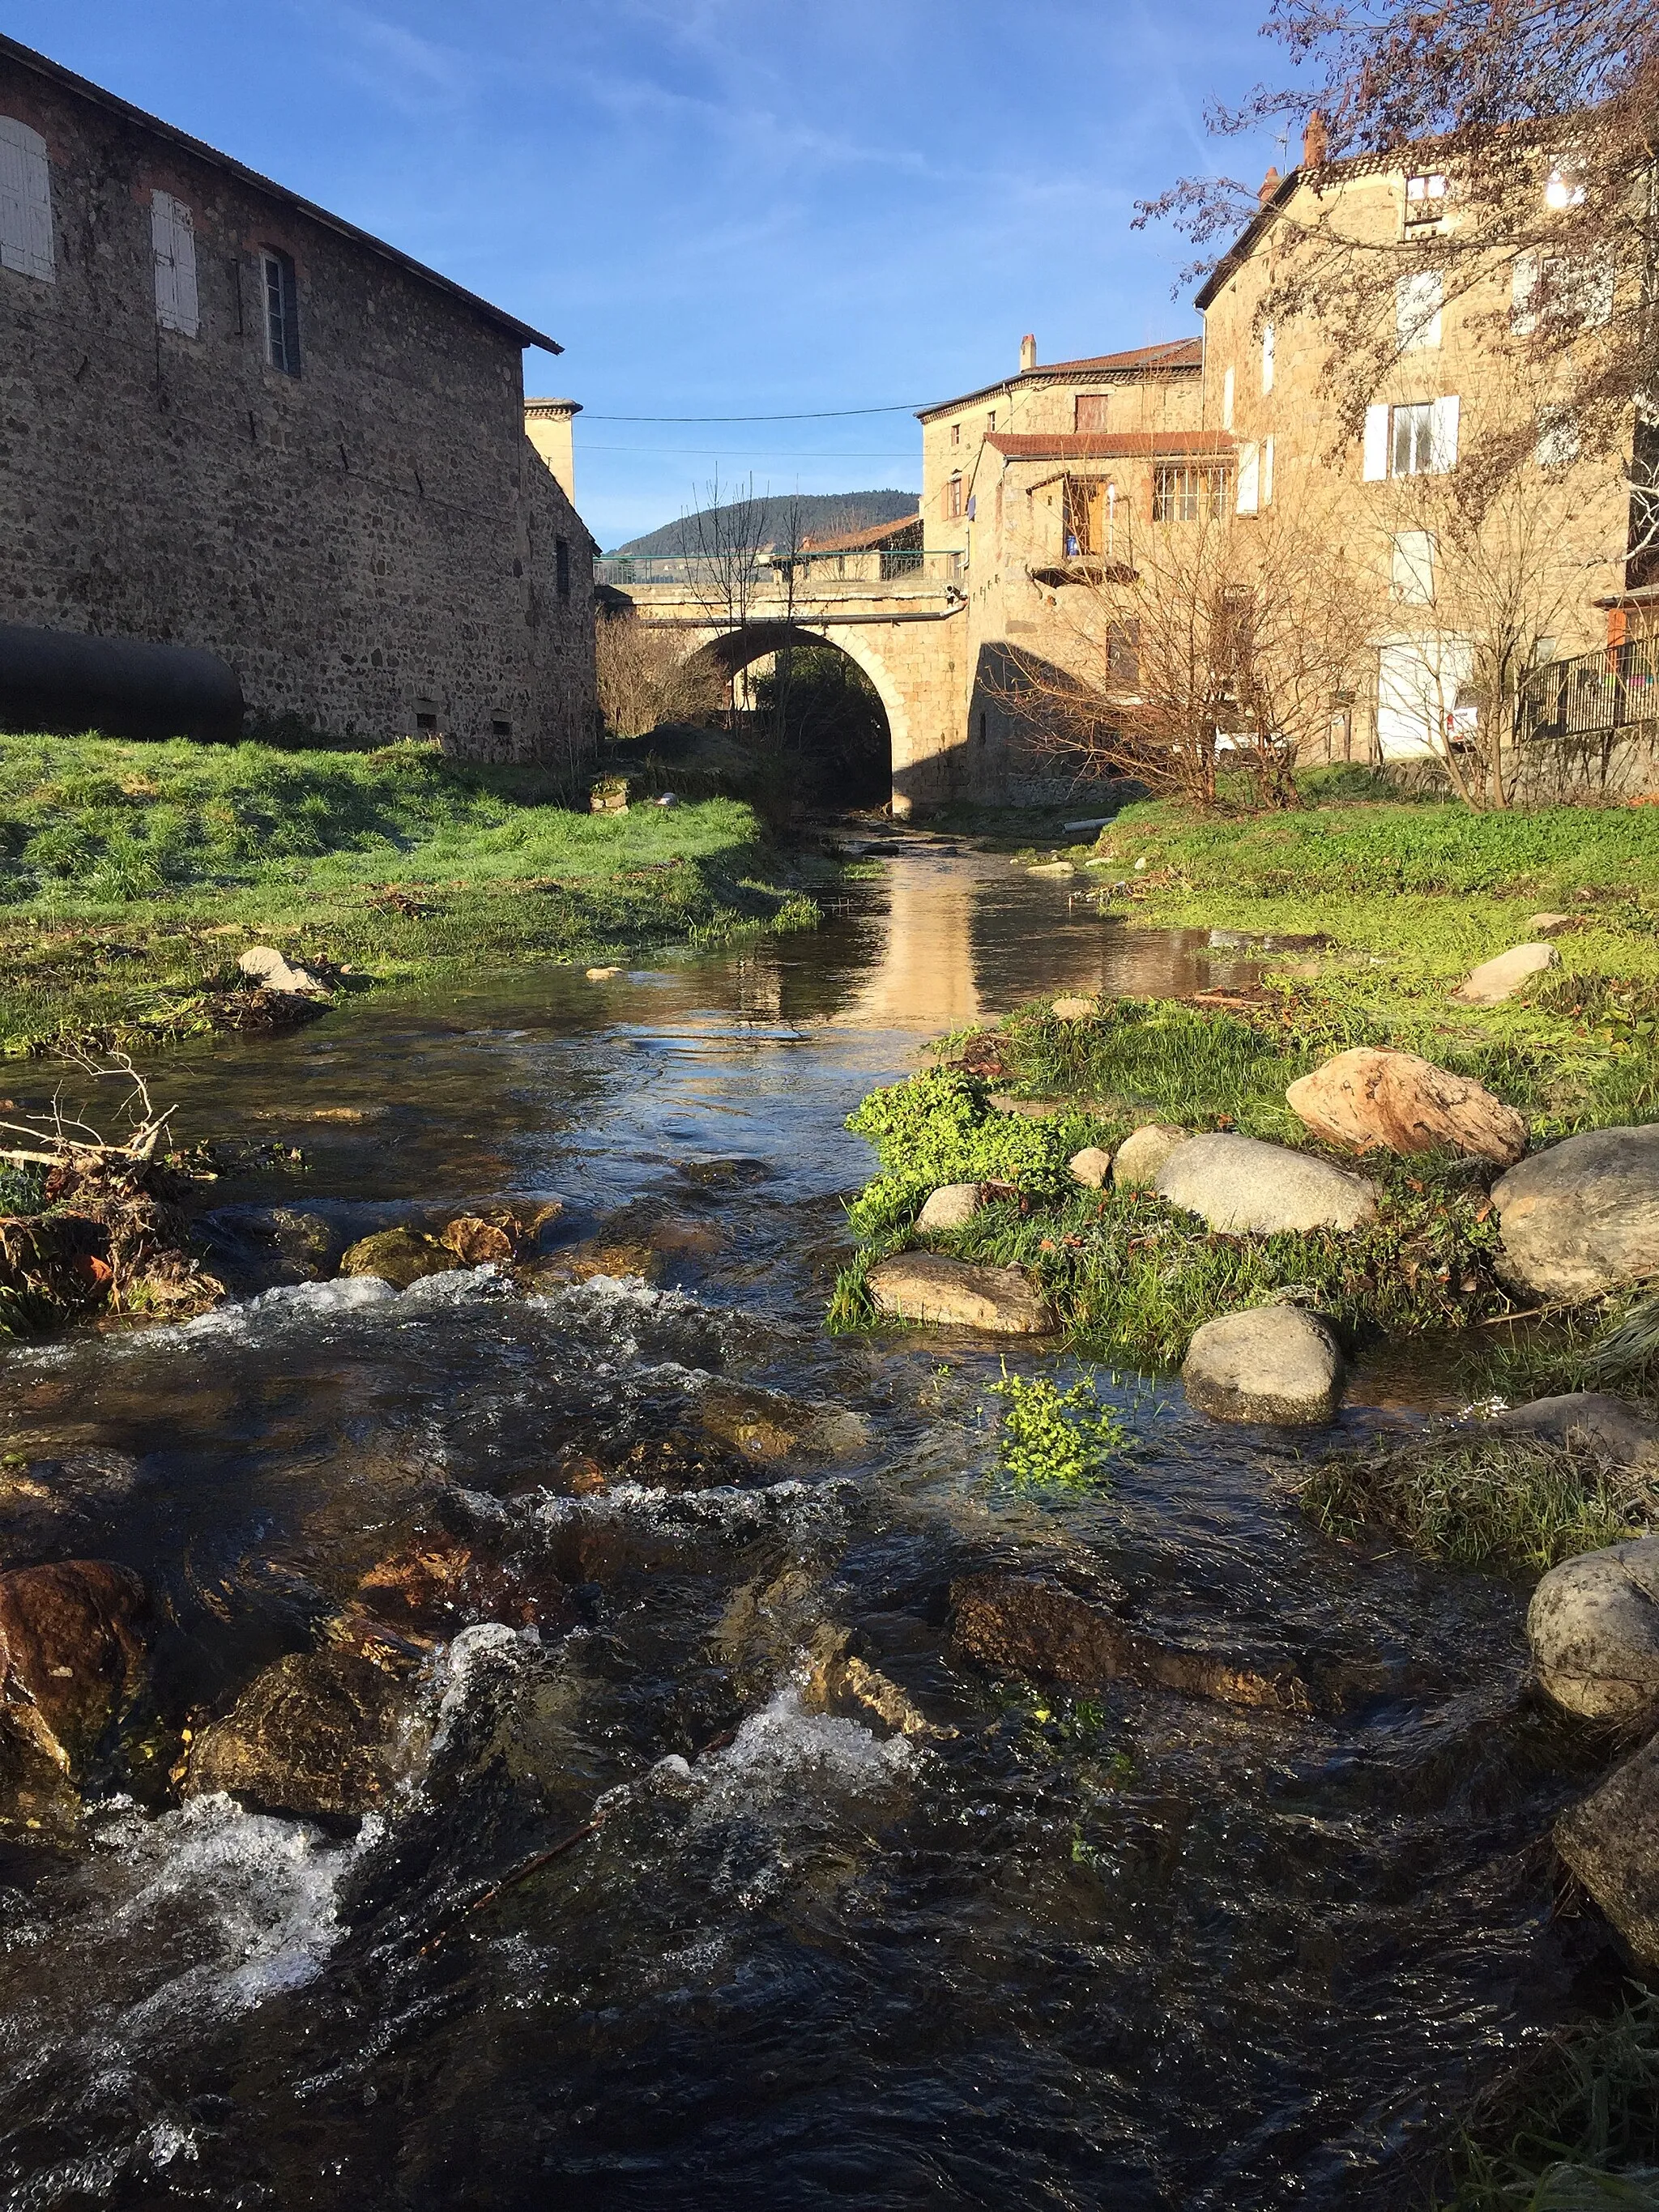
(1418, 300)
(1412, 567)
(1557, 446)
(953, 500)
(1567, 290)
(1249, 478)
(500, 726)
(955, 434)
(561, 566)
(172, 237)
(1419, 439)
(1183, 492)
(1123, 654)
(1227, 401)
(990, 421)
(25, 201)
(1268, 359)
(426, 721)
(1088, 411)
(281, 311)
(1426, 199)
(1266, 472)
(1086, 504)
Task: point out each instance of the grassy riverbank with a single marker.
(131, 875)
(1401, 899)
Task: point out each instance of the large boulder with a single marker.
(1587, 1420)
(265, 965)
(314, 1734)
(399, 1256)
(1582, 1218)
(1138, 1158)
(1091, 1167)
(73, 1652)
(1238, 1183)
(1594, 1627)
(1495, 980)
(1272, 1364)
(924, 1287)
(953, 1205)
(1394, 1102)
(1611, 1842)
(1024, 1625)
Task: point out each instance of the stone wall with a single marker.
(371, 543)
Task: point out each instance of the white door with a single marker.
(1418, 682)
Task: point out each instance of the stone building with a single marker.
(234, 421)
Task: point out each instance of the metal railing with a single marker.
(1591, 698)
(805, 574)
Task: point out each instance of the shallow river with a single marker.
(1138, 1951)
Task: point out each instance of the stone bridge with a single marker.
(901, 616)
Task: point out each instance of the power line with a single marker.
(823, 415)
(769, 453)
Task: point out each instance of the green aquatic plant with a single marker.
(1054, 1438)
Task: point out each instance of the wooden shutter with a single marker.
(25, 201)
(183, 269)
(1266, 472)
(1268, 358)
(1227, 401)
(1524, 276)
(1377, 445)
(1091, 411)
(1249, 478)
(1443, 435)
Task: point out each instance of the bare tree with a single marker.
(1542, 118)
(646, 678)
(1216, 639)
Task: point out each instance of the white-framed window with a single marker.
(1415, 439)
(1411, 568)
(282, 309)
(1249, 477)
(1227, 400)
(1557, 444)
(1268, 359)
(1186, 491)
(1425, 198)
(172, 236)
(1567, 288)
(26, 243)
(1419, 297)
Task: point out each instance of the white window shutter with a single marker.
(1377, 445)
(172, 237)
(1524, 294)
(1412, 567)
(1419, 297)
(1227, 401)
(1443, 435)
(1249, 478)
(1595, 291)
(1266, 472)
(26, 242)
(1268, 358)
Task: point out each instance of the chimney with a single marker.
(1027, 354)
(1315, 142)
(549, 426)
(1269, 185)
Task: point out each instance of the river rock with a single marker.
(1587, 1420)
(1091, 1167)
(1238, 1183)
(953, 1206)
(1271, 1363)
(1025, 1625)
(313, 1735)
(440, 1583)
(922, 1286)
(1495, 980)
(1594, 1627)
(1611, 1842)
(73, 1653)
(768, 1424)
(477, 1242)
(1550, 925)
(1139, 1159)
(266, 966)
(1373, 1100)
(399, 1257)
(1582, 1218)
(1073, 1010)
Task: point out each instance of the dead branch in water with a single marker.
(59, 1146)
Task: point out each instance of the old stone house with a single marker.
(234, 421)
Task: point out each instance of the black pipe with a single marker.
(63, 681)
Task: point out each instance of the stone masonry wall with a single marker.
(371, 544)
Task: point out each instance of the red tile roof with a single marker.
(1107, 445)
(1177, 353)
(878, 534)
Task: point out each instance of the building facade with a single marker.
(234, 421)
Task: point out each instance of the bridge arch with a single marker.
(730, 651)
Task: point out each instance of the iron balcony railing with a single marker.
(804, 574)
(1592, 696)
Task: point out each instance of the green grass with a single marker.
(1509, 1503)
(118, 862)
(1574, 2127)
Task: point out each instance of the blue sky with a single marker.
(725, 207)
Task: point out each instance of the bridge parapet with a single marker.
(801, 578)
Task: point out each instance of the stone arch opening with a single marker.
(818, 701)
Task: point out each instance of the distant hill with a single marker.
(821, 514)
